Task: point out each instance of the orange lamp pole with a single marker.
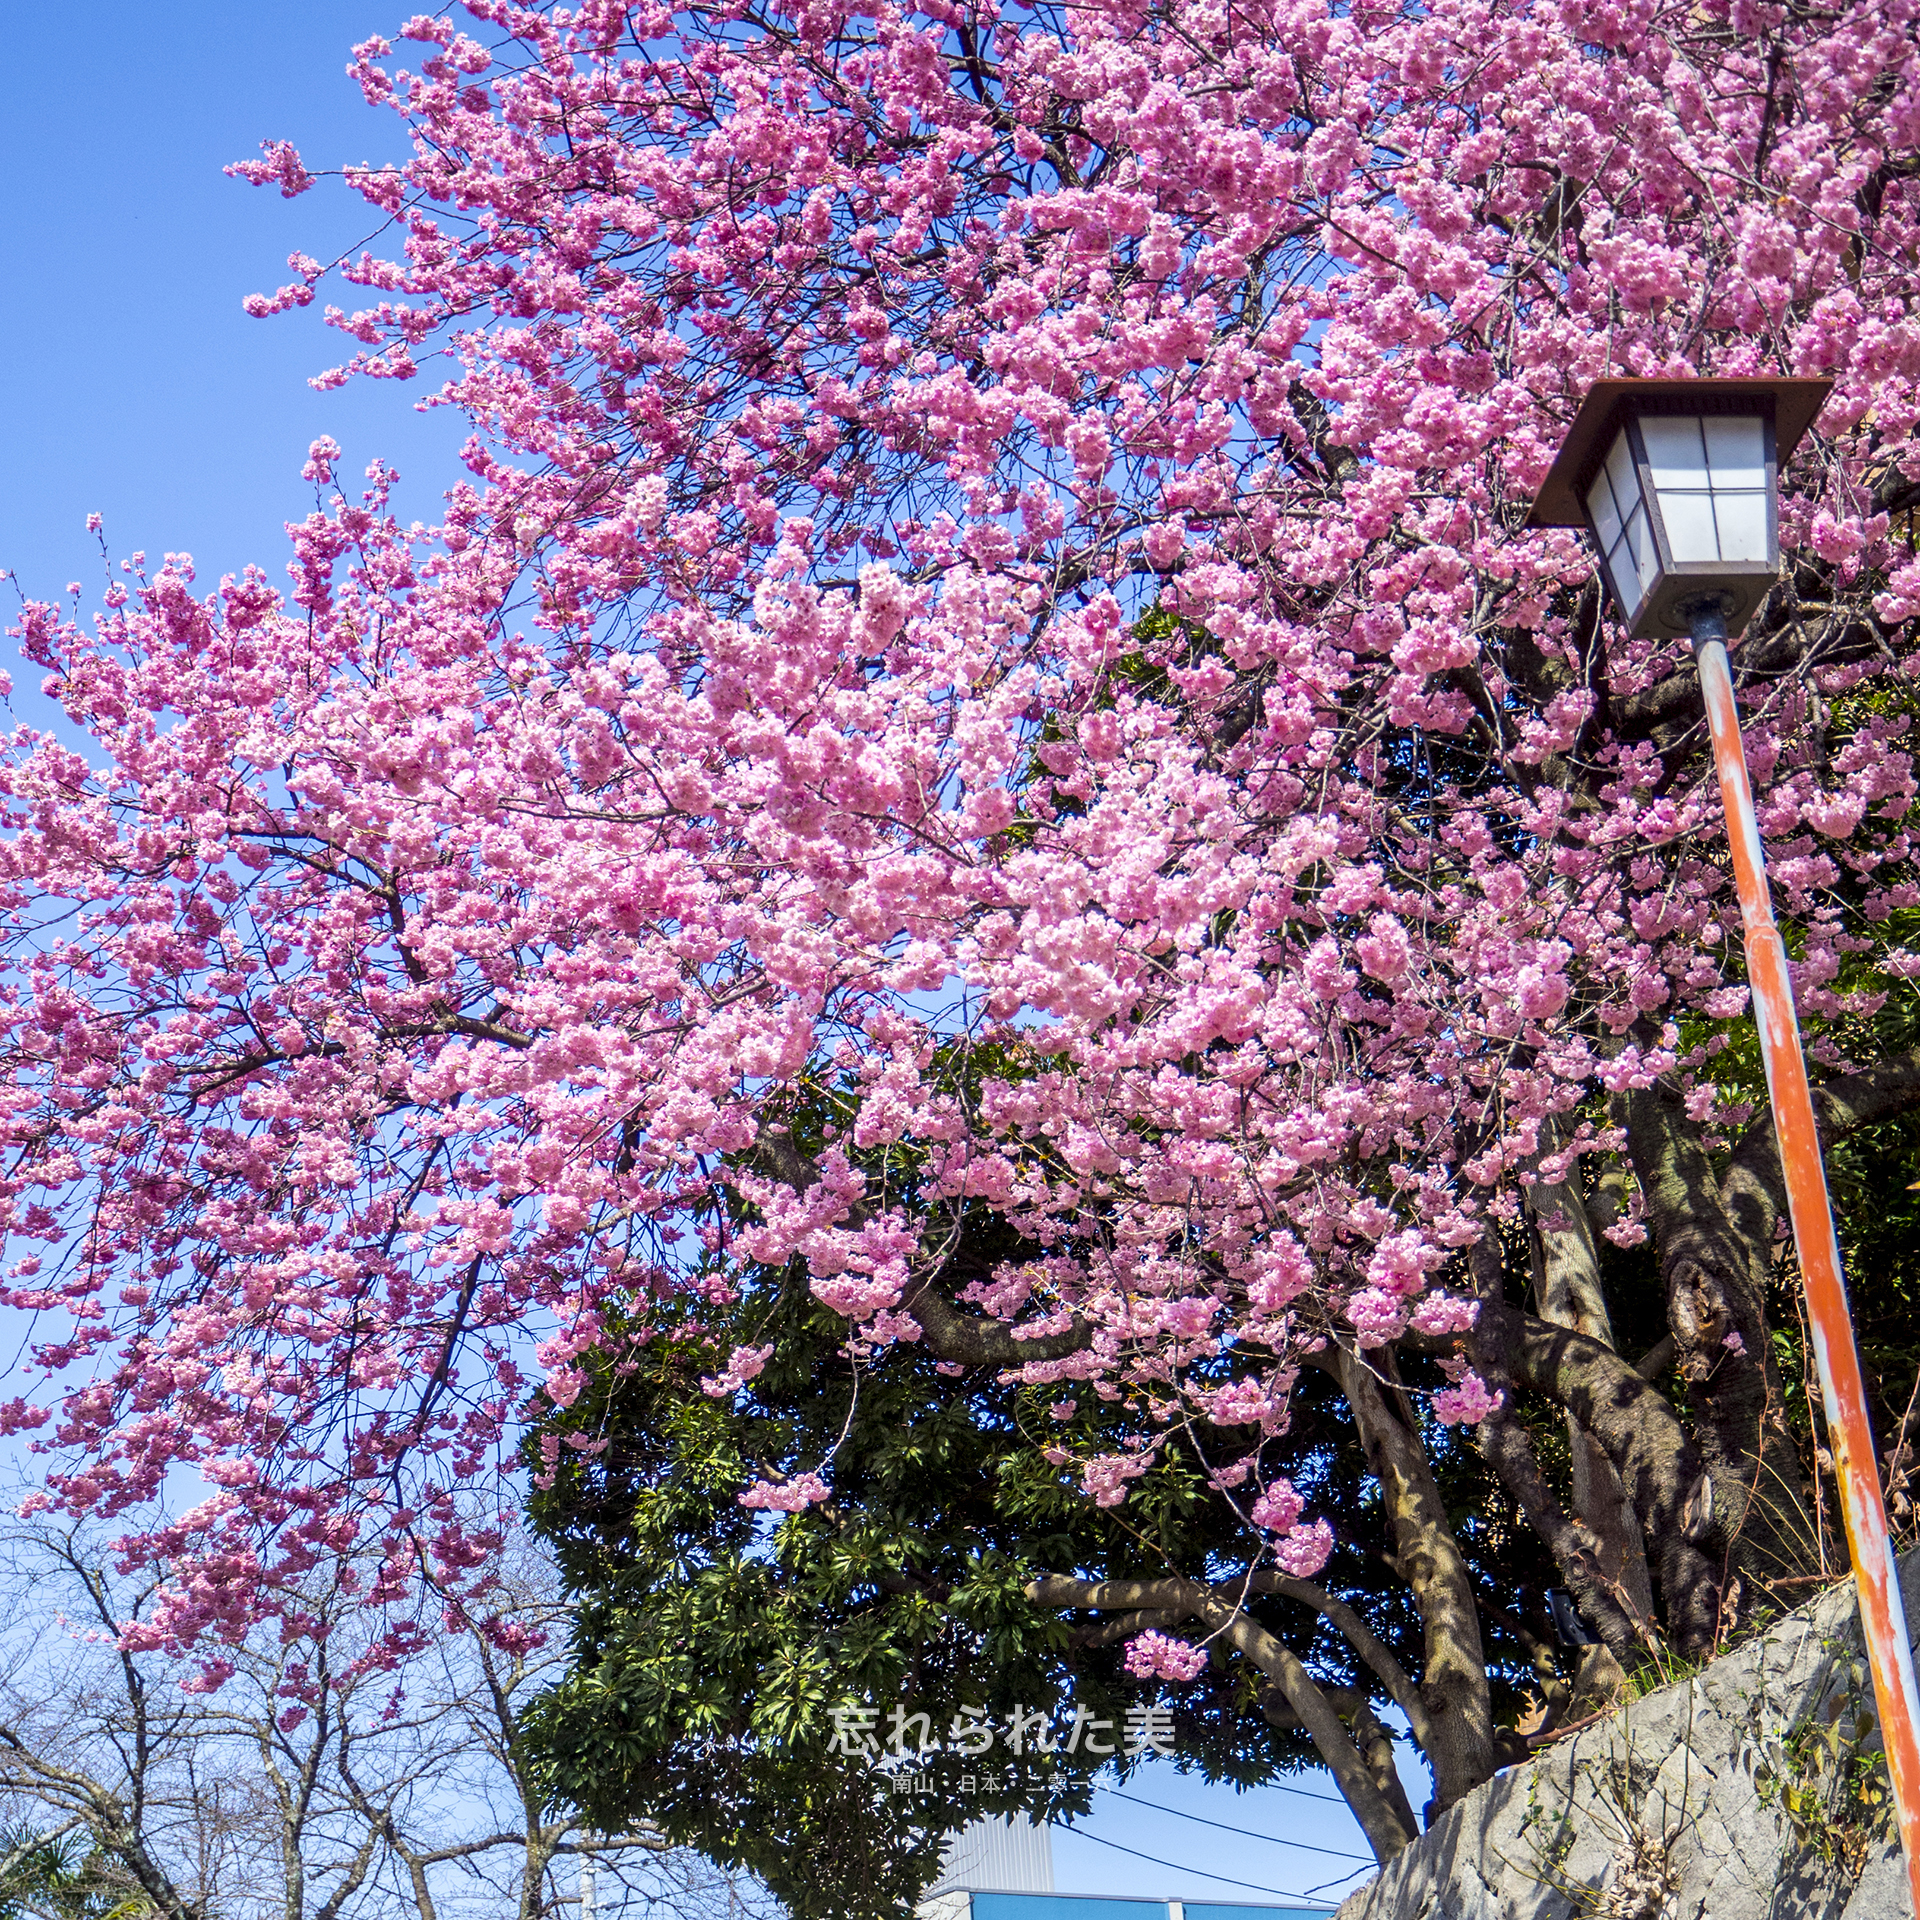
(1842, 1388)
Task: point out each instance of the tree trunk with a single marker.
(1662, 1470)
(1375, 1742)
(1454, 1681)
(1712, 1275)
(1507, 1448)
(1568, 1293)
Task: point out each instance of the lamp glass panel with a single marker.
(1620, 577)
(1677, 465)
(1603, 513)
(1743, 526)
(1630, 561)
(1676, 454)
(1621, 526)
(1639, 541)
(1620, 470)
(1691, 534)
(1737, 451)
(1737, 456)
(1710, 474)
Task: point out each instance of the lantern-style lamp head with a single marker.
(1678, 481)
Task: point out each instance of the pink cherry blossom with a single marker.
(1278, 1508)
(931, 590)
(796, 1495)
(1443, 1313)
(1376, 1316)
(1466, 1403)
(1305, 1549)
(1153, 1655)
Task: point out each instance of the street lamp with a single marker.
(1678, 482)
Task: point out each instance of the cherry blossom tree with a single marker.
(992, 599)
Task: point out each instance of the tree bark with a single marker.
(1662, 1470)
(1376, 1749)
(1390, 1673)
(1713, 1275)
(1454, 1683)
(1217, 1606)
(1507, 1448)
(1568, 1292)
(1754, 1193)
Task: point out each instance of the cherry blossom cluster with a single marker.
(991, 600)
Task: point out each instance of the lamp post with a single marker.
(1678, 482)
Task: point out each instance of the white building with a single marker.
(997, 1856)
(1003, 1870)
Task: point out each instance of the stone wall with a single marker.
(1676, 1808)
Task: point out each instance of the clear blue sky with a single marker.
(132, 385)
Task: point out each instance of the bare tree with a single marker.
(301, 1773)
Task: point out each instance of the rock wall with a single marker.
(1739, 1794)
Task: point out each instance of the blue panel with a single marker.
(1254, 1912)
(1055, 1906)
(1070, 1906)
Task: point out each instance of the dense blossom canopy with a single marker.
(992, 596)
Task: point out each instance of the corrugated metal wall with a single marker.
(1010, 1856)
(1003, 1870)
(1065, 1906)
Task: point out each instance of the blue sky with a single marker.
(132, 385)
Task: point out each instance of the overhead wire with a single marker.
(1246, 1833)
(1274, 1786)
(1199, 1873)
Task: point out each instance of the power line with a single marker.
(1246, 1833)
(1313, 1893)
(1301, 1793)
(1273, 1786)
(1173, 1866)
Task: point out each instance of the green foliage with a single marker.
(1662, 1668)
(714, 1643)
(1827, 1777)
(61, 1876)
(1871, 1174)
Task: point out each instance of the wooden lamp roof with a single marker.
(1558, 503)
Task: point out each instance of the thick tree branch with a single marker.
(1454, 1684)
(1661, 1468)
(1569, 1292)
(1753, 1191)
(1507, 1447)
(1675, 701)
(1392, 1675)
(1376, 1749)
(1713, 1274)
(1385, 1832)
(1125, 1626)
(1603, 1601)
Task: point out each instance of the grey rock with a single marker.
(1882, 1889)
(1656, 1813)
